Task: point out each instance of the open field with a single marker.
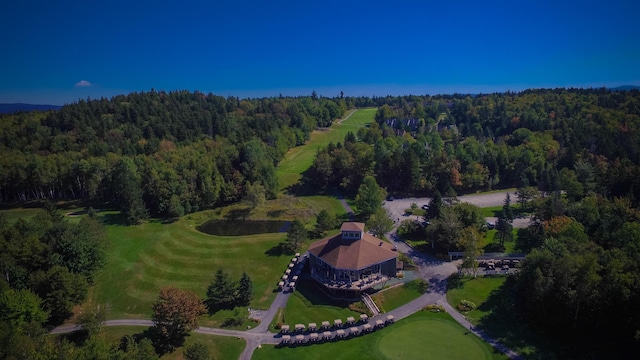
(424, 335)
(146, 257)
(300, 158)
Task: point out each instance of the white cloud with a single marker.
(83, 83)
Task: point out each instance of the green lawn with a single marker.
(492, 238)
(491, 211)
(146, 257)
(300, 158)
(308, 304)
(395, 297)
(318, 203)
(497, 316)
(424, 335)
(475, 290)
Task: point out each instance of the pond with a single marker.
(242, 227)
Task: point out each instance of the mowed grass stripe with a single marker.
(300, 158)
(144, 258)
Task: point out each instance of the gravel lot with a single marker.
(398, 206)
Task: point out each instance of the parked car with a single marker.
(390, 198)
(490, 225)
(425, 207)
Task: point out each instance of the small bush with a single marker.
(466, 305)
(359, 307)
(433, 308)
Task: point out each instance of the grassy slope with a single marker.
(300, 158)
(476, 291)
(393, 298)
(147, 257)
(424, 335)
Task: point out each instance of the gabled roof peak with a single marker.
(352, 226)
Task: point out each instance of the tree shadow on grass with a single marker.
(114, 219)
(504, 324)
(304, 187)
(277, 250)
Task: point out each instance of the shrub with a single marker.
(466, 305)
(433, 308)
(359, 307)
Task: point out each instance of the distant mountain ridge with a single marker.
(11, 108)
(624, 88)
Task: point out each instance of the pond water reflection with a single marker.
(242, 227)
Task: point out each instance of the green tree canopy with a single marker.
(197, 351)
(369, 198)
(380, 222)
(296, 234)
(324, 222)
(221, 292)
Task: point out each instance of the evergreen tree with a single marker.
(506, 209)
(324, 222)
(296, 234)
(127, 192)
(221, 292)
(434, 206)
(244, 291)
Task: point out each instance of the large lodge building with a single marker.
(351, 262)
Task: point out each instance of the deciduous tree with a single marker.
(369, 198)
(380, 223)
(175, 314)
(197, 351)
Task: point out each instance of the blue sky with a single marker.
(55, 52)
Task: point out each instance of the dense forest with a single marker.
(164, 154)
(580, 283)
(579, 140)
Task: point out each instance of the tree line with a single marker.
(158, 153)
(581, 141)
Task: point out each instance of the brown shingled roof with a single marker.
(352, 254)
(352, 226)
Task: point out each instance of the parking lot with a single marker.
(397, 207)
